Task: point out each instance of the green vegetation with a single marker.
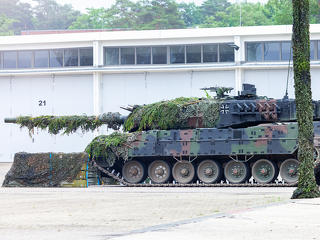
(67, 124)
(146, 14)
(111, 147)
(5, 25)
(307, 187)
(179, 113)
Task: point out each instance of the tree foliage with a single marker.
(125, 14)
(147, 14)
(20, 12)
(5, 25)
(51, 15)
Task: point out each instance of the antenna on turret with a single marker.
(286, 95)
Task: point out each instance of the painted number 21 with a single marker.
(42, 103)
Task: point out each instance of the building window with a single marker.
(272, 51)
(254, 52)
(286, 51)
(9, 60)
(275, 51)
(312, 50)
(194, 54)
(112, 56)
(86, 56)
(159, 55)
(210, 53)
(143, 55)
(25, 59)
(226, 53)
(56, 58)
(127, 56)
(71, 58)
(1, 61)
(177, 54)
(41, 59)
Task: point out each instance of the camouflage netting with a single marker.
(41, 170)
(180, 113)
(70, 124)
(111, 147)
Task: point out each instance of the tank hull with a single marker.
(266, 139)
(266, 152)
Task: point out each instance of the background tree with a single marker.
(50, 15)
(123, 14)
(159, 14)
(212, 8)
(252, 14)
(279, 12)
(96, 18)
(5, 25)
(21, 12)
(191, 14)
(307, 187)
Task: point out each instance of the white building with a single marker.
(95, 72)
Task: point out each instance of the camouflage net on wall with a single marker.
(41, 170)
(111, 147)
(180, 113)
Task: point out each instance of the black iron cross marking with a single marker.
(224, 109)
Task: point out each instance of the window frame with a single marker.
(315, 50)
(168, 54)
(48, 50)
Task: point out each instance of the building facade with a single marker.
(96, 72)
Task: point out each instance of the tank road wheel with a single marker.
(159, 171)
(183, 172)
(264, 171)
(289, 170)
(209, 171)
(134, 172)
(236, 172)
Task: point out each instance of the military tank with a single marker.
(203, 142)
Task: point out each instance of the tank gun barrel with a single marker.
(70, 124)
(104, 118)
(10, 120)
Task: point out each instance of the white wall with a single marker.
(272, 83)
(142, 88)
(63, 95)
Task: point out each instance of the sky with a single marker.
(81, 5)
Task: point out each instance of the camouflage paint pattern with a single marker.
(264, 139)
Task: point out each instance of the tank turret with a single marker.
(223, 111)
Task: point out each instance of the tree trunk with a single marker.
(307, 187)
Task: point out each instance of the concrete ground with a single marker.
(155, 213)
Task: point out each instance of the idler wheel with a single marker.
(159, 171)
(183, 172)
(134, 172)
(236, 172)
(289, 170)
(264, 171)
(209, 171)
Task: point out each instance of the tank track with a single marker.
(120, 180)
